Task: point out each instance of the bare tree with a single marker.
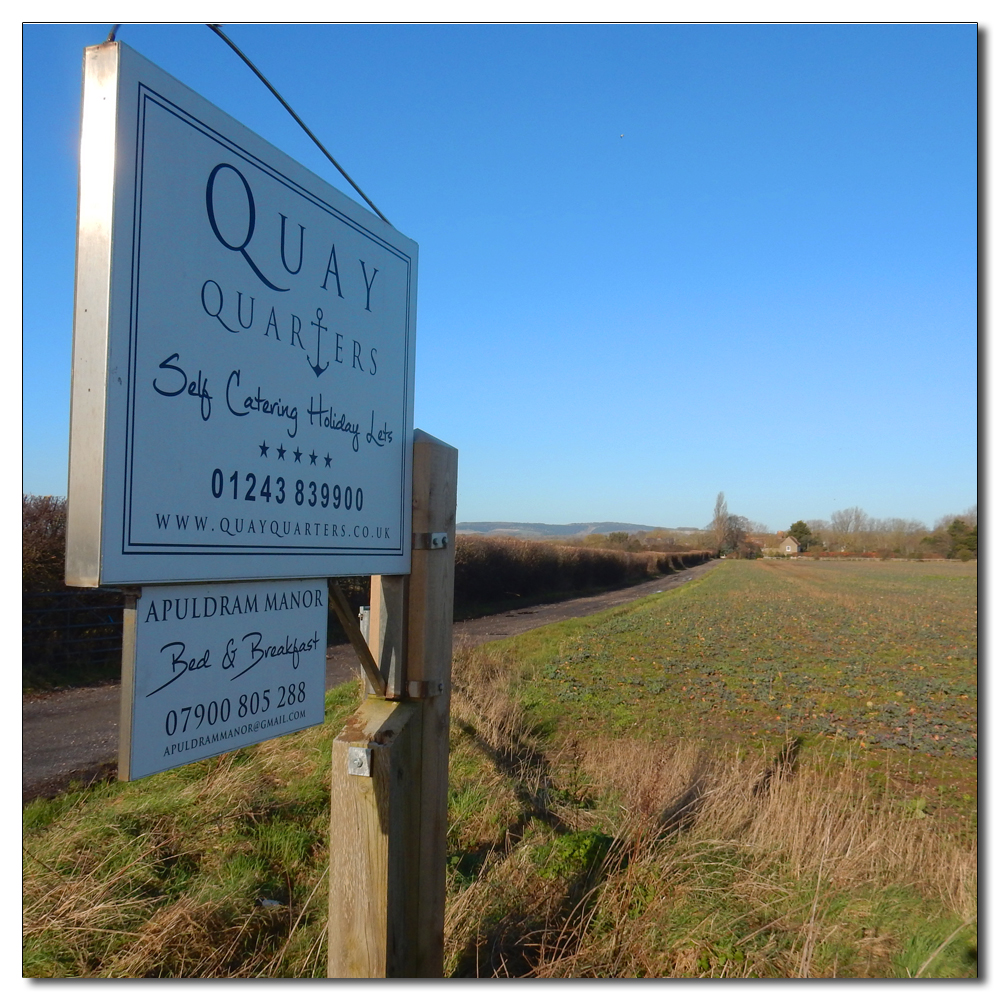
(892, 535)
(720, 521)
(849, 520)
(849, 526)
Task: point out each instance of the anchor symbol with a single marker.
(319, 330)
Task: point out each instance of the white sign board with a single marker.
(243, 352)
(219, 667)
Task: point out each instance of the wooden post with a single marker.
(372, 884)
(428, 675)
(388, 827)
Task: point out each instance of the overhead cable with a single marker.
(305, 128)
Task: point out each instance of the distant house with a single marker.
(788, 546)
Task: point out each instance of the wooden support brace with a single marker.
(353, 630)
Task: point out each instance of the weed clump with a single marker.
(625, 856)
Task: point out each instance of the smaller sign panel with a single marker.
(220, 666)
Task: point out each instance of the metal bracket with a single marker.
(424, 689)
(359, 761)
(430, 539)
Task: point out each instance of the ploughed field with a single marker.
(875, 656)
(768, 772)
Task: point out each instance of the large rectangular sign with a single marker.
(243, 352)
(219, 667)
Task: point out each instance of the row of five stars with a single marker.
(264, 449)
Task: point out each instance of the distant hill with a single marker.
(523, 529)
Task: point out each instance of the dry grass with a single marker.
(630, 858)
(97, 895)
(160, 878)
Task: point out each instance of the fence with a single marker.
(70, 628)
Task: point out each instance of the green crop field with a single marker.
(866, 655)
(770, 772)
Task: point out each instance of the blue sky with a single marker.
(656, 262)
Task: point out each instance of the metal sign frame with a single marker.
(183, 213)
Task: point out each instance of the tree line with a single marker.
(848, 531)
(954, 536)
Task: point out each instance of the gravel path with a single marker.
(73, 734)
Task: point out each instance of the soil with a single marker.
(72, 735)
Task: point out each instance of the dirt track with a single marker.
(74, 734)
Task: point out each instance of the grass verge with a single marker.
(162, 877)
(601, 822)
